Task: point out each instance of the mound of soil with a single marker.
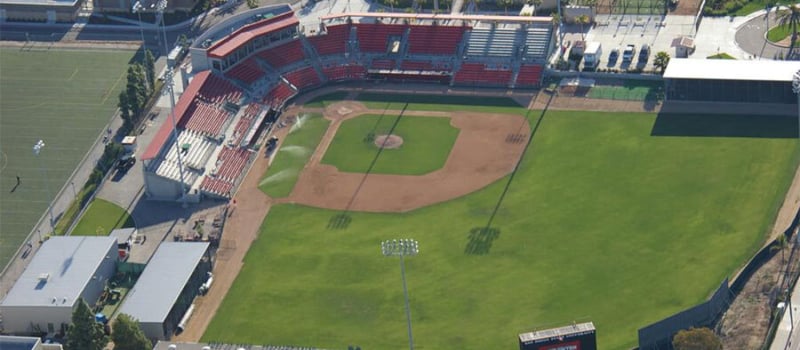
(388, 141)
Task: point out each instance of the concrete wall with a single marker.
(160, 188)
(23, 320)
(98, 281)
(153, 331)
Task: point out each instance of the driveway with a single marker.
(751, 36)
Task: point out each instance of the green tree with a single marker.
(505, 4)
(536, 4)
(84, 333)
(661, 61)
(183, 41)
(127, 335)
(790, 19)
(150, 68)
(582, 20)
(696, 339)
(136, 90)
(252, 4)
(392, 3)
(555, 19)
(124, 105)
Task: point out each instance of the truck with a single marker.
(591, 55)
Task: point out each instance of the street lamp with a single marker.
(37, 148)
(169, 86)
(402, 248)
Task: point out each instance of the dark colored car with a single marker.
(644, 53)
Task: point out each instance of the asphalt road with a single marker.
(751, 37)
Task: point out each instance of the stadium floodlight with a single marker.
(169, 88)
(402, 248)
(37, 149)
(137, 9)
(796, 90)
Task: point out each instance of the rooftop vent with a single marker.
(44, 277)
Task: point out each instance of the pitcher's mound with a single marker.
(388, 141)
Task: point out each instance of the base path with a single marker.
(487, 148)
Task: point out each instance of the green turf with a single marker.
(102, 217)
(293, 155)
(721, 56)
(427, 142)
(64, 98)
(629, 90)
(602, 222)
(778, 33)
(327, 99)
(445, 103)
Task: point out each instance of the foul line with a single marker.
(73, 74)
(108, 93)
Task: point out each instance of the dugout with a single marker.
(741, 81)
(580, 336)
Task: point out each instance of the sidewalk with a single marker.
(786, 336)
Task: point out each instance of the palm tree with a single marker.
(661, 60)
(582, 19)
(790, 19)
(392, 3)
(505, 4)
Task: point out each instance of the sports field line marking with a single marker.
(3, 161)
(108, 93)
(73, 74)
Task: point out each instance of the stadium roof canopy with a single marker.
(762, 70)
(162, 280)
(428, 16)
(61, 269)
(240, 37)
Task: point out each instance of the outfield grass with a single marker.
(427, 142)
(602, 222)
(102, 217)
(293, 155)
(64, 98)
(629, 91)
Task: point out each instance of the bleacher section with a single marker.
(218, 90)
(530, 75)
(195, 150)
(245, 123)
(471, 73)
(303, 77)
(332, 43)
(247, 71)
(374, 37)
(204, 118)
(344, 72)
(229, 167)
(279, 94)
(284, 54)
(216, 186)
(434, 40)
(383, 64)
(495, 42)
(538, 42)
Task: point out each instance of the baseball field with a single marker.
(616, 218)
(63, 98)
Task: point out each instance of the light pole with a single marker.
(137, 9)
(37, 148)
(169, 89)
(402, 248)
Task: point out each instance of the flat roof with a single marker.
(556, 332)
(521, 19)
(162, 280)
(8, 342)
(240, 37)
(69, 3)
(65, 265)
(761, 70)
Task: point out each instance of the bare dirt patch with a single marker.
(480, 156)
(388, 141)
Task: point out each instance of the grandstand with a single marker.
(271, 58)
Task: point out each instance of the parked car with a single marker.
(628, 54)
(126, 162)
(644, 53)
(613, 56)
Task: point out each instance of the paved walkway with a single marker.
(751, 35)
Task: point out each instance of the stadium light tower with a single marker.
(37, 149)
(796, 90)
(402, 248)
(137, 9)
(169, 88)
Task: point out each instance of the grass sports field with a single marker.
(426, 144)
(616, 218)
(101, 218)
(62, 97)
